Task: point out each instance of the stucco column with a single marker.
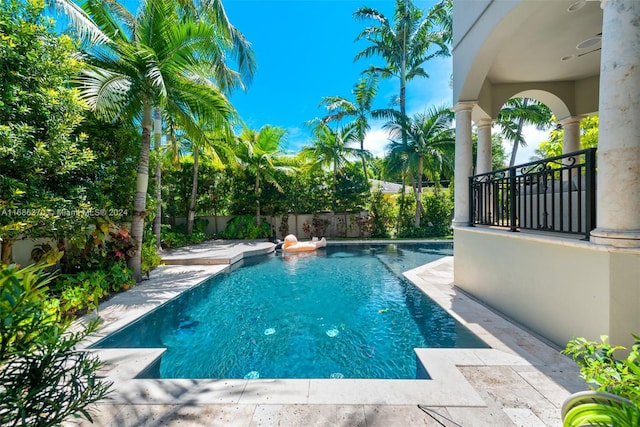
(618, 181)
(483, 161)
(463, 163)
(571, 134)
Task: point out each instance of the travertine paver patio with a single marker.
(519, 381)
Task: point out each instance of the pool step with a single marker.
(216, 252)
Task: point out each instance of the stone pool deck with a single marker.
(519, 381)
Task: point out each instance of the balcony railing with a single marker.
(556, 194)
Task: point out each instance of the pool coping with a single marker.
(448, 387)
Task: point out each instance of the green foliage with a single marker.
(600, 368)
(41, 163)
(381, 215)
(95, 246)
(214, 188)
(553, 146)
(150, 257)
(353, 190)
(44, 379)
(177, 239)
(244, 227)
(116, 147)
(405, 217)
(436, 220)
(603, 412)
(74, 294)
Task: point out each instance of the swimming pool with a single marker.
(342, 312)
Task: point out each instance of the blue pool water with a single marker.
(341, 312)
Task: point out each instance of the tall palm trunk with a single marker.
(140, 199)
(364, 162)
(512, 162)
(191, 215)
(257, 193)
(419, 192)
(157, 134)
(335, 187)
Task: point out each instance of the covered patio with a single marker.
(579, 58)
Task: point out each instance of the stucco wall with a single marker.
(341, 224)
(21, 250)
(557, 287)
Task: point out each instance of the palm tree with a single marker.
(407, 42)
(429, 148)
(330, 149)
(364, 93)
(260, 153)
(518, 112)
(161, 57)
(218, 147)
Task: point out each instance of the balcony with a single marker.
(555, 195)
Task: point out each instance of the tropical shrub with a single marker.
(150, 257)
(438, 213)
(284, 225)
(95, 246)
(603, 371)
(319, 225)
(81, 292)
(381, 215)
(176, 239)
(244, 227)
(42, 165)
(405, 219)
(43, 378)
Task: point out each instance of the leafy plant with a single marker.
(43, 378)
(600, 368)
(150, 257)
(284, 225)
(176, 239)
(83, 291)
(438, 214)
(244, 227)
(319, 225)
(381, 215)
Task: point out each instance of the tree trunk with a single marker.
(157, 222)
(140, 199)
(7, 246)
(401, 201)
(512, 162)
(194, 191)
(419, 193)
(257, 193)
(364, 163)
(335, 185)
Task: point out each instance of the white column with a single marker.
(571, 134)
(463, 163)
(483, 161)
(618, 181)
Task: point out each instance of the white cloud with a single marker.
(533, 137)
(376, 141)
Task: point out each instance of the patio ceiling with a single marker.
(557, 41)
(545, 49)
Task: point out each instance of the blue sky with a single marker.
(304, 51)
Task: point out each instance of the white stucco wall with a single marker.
(557, 287)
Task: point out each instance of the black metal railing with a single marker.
(556, 194)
